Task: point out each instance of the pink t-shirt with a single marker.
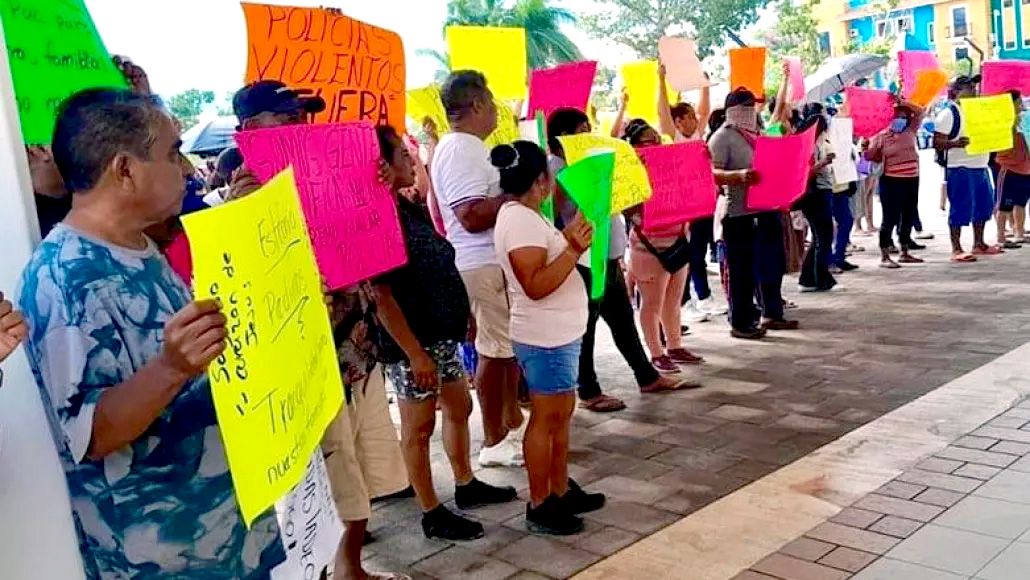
(178, 255)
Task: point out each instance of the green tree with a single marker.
(639, 24)
(794, 34)
(546, 44)
(187, 105)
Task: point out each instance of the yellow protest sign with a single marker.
(425, 102)
(277, 385)
(640, 80)
(988, 123)
(630, 184)
(498, 53)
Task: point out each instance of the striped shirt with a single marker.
(897, 152)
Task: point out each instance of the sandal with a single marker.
(666, 384)
(988, 251)
(963, 257)
(907, 259)
(603, 404)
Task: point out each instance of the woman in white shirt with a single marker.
(548, 319)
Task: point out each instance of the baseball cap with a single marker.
(740, 96)
(272, 97)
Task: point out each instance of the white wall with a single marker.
(37, 539)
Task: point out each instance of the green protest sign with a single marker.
(541, 135)
(589, 184)
(54, 50)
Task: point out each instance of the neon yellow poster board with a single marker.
(277, 385)
(630, 184)
(498, 53)
(425, 102)
(507, 130)
(988, 122)
(640, 79)
(55, 51)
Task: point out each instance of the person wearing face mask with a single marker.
(896, 149)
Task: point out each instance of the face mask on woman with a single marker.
(899, 124)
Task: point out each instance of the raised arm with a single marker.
(780, 109)
(665, 124)
(620, 117)
(193, 337)
(704, 109)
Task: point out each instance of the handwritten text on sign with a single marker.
(277, 385)
(566, 85)
(630, 185)
(870, 110)
(682, 182)
(54, 51)
(782, 164)
(309, 525)
(356, 67)
(1003, 75)
(988, 121)
(351, 217)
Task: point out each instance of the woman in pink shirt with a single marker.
(895, 147)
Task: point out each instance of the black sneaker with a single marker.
(553, 518)
(914, 246)
(446, 525)
(847, 266)
(402, 494)
(476, 493)
(578, 501)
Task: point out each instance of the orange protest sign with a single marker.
(747, 69)
(356, 67)
(929, 84)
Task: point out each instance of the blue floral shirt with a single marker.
(163, 506)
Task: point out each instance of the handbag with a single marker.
(673, 258)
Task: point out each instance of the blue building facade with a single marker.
(1011, 24)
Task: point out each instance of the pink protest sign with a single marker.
(797, 79)
(871, 110)
(910, 62)
(1004, 75)
(351, 217)
(566, 85)
(683, 184)
(782, 164)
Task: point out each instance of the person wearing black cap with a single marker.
(970, 192)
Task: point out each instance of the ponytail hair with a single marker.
(520, 164)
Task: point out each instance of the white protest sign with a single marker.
(309, 524)
(840, 134)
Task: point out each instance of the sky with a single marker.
(202, 43)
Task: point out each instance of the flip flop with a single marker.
(677, 384)
(963, 257)
(603, 404)
(988, 251)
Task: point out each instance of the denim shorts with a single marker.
(549, 371)
(970, 194)
(448, 368)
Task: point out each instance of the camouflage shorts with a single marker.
(448, 368)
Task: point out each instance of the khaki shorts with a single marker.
(488, 297)
(362, 452)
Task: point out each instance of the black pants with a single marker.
(700, 239)
(815, 271)
(899, 197)
(739, 235)
(770, 264)
(617, 312)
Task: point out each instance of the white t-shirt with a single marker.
(958, 157)
(557, 319)
(461, 173)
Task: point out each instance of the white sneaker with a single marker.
(692, 314)
(710, 307)
(504, 454)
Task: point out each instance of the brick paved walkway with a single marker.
(962, 514)
(880, 341)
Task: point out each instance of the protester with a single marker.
(52, 199)
(815, 271)
(681, 122)
(467, 188)
(743, 232)
(362, 455)
(549, 317)
(895, 148)
(425, 309)
(843, 219)
(614, 306)
(868, 184)
(970, 193)
(1014, 182)
(661, 282)
(120, 352)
